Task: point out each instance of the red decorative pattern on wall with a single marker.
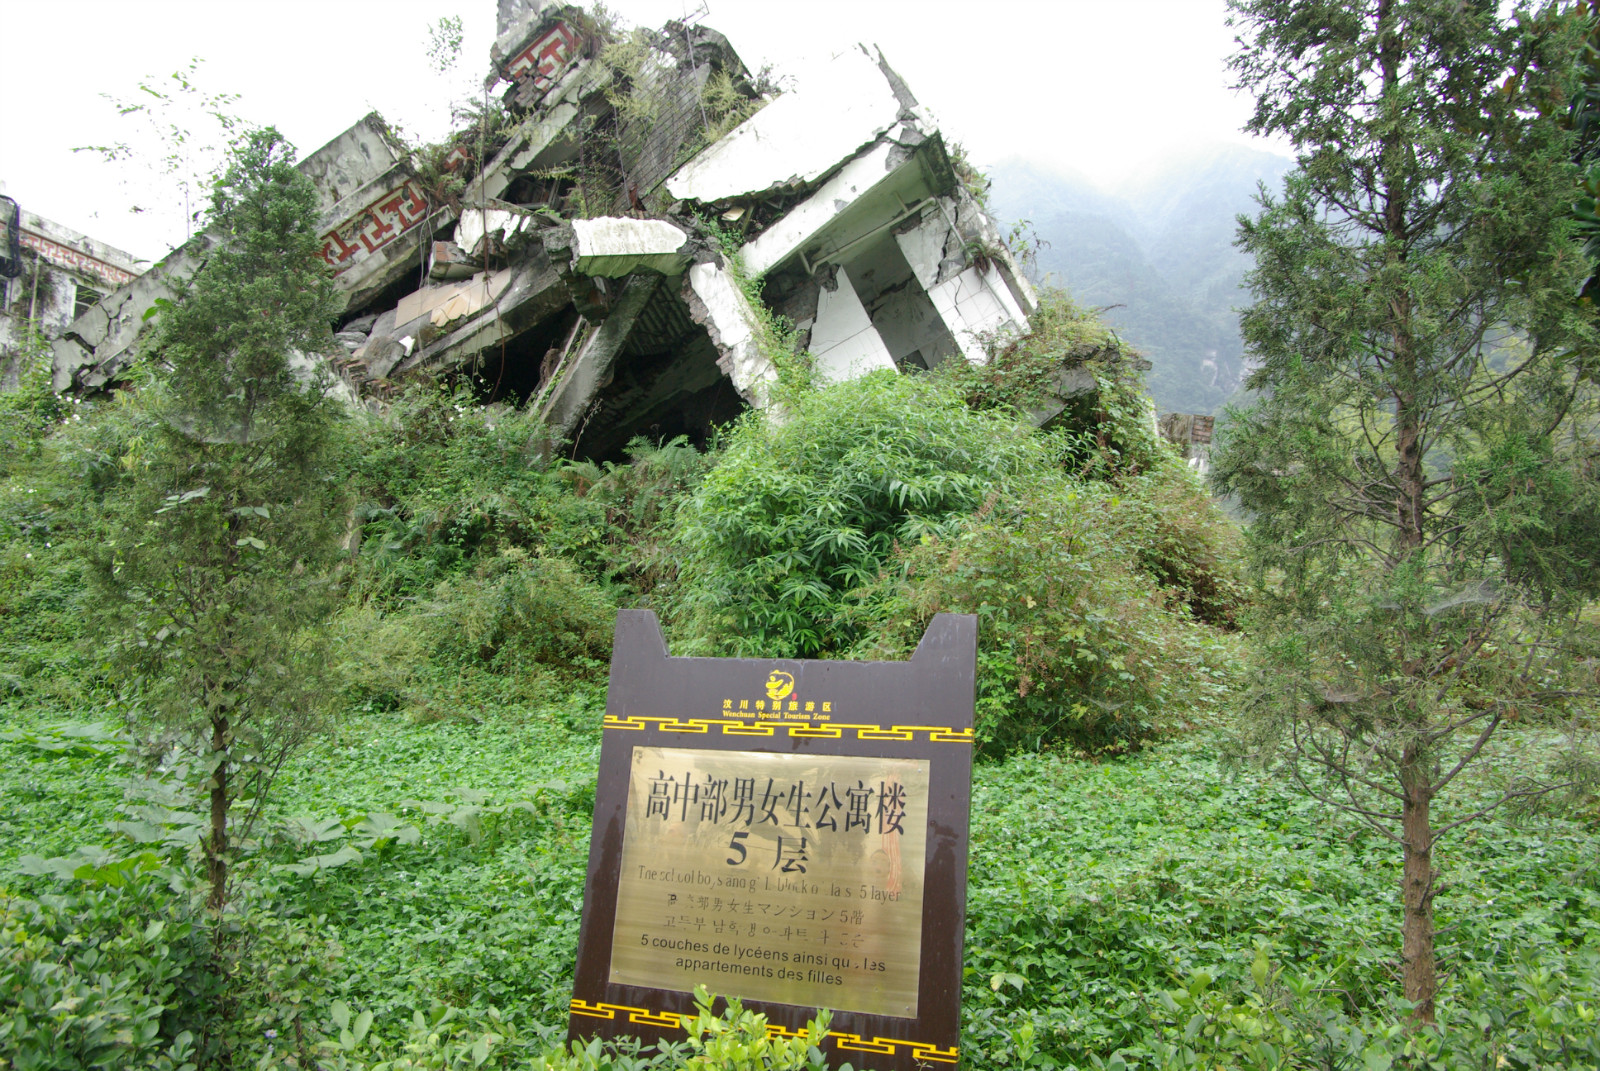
(67, 257)
(547, 57)
(375, 226)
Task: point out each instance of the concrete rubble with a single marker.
(618, 258)
(1191, 434)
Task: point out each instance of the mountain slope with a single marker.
(1157, 255)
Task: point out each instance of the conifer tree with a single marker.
(1420, 468)
(216, 569)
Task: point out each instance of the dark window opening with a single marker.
(664, 383)
(659, 396)
(527, 361)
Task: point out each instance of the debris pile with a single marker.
(597, 245)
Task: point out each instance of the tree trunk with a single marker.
(1419, 970)
(217, 849)
(1394, 154)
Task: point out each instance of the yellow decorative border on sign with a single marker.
(820, 730)
(920, 1050)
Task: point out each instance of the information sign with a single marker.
(793, 833)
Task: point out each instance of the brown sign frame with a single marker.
(918, 709)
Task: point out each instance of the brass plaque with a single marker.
(788, 878)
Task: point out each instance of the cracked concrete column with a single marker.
(590, 371)
(716, 302)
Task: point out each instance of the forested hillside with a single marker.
(1157, 254)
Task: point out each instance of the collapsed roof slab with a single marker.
(351, 161)
(798, 138)
(368, 207)
(871, 192)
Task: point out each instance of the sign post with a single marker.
(789, 832)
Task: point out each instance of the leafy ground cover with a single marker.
(1127, 911)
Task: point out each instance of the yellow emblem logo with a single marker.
(779, 684)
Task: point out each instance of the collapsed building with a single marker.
(615, 241)
(1190, 434)
(50, 275)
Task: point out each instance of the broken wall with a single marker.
(60, 275)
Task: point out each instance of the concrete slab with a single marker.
(785, 237)
(1066, 384)
(373, 218)
(448, 261)
(353, 160)
(798, 138)
(495, 220)
(614, 246)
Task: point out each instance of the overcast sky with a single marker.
(1103, 87)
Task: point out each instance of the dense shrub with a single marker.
(839, 529)
(490, 569)
(109, 974)
(809, 505)
(1183, 541)
(446, 482)
(59, 459)
(516, 610)
(517, 626)
(32, 410)
(640, 499)
(1076, 643)
(443, 481)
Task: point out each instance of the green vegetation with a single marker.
(1420, 467)
(397, 625)
(1139, 877)
(411, 895)
(211, 565)
(1088, 552)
